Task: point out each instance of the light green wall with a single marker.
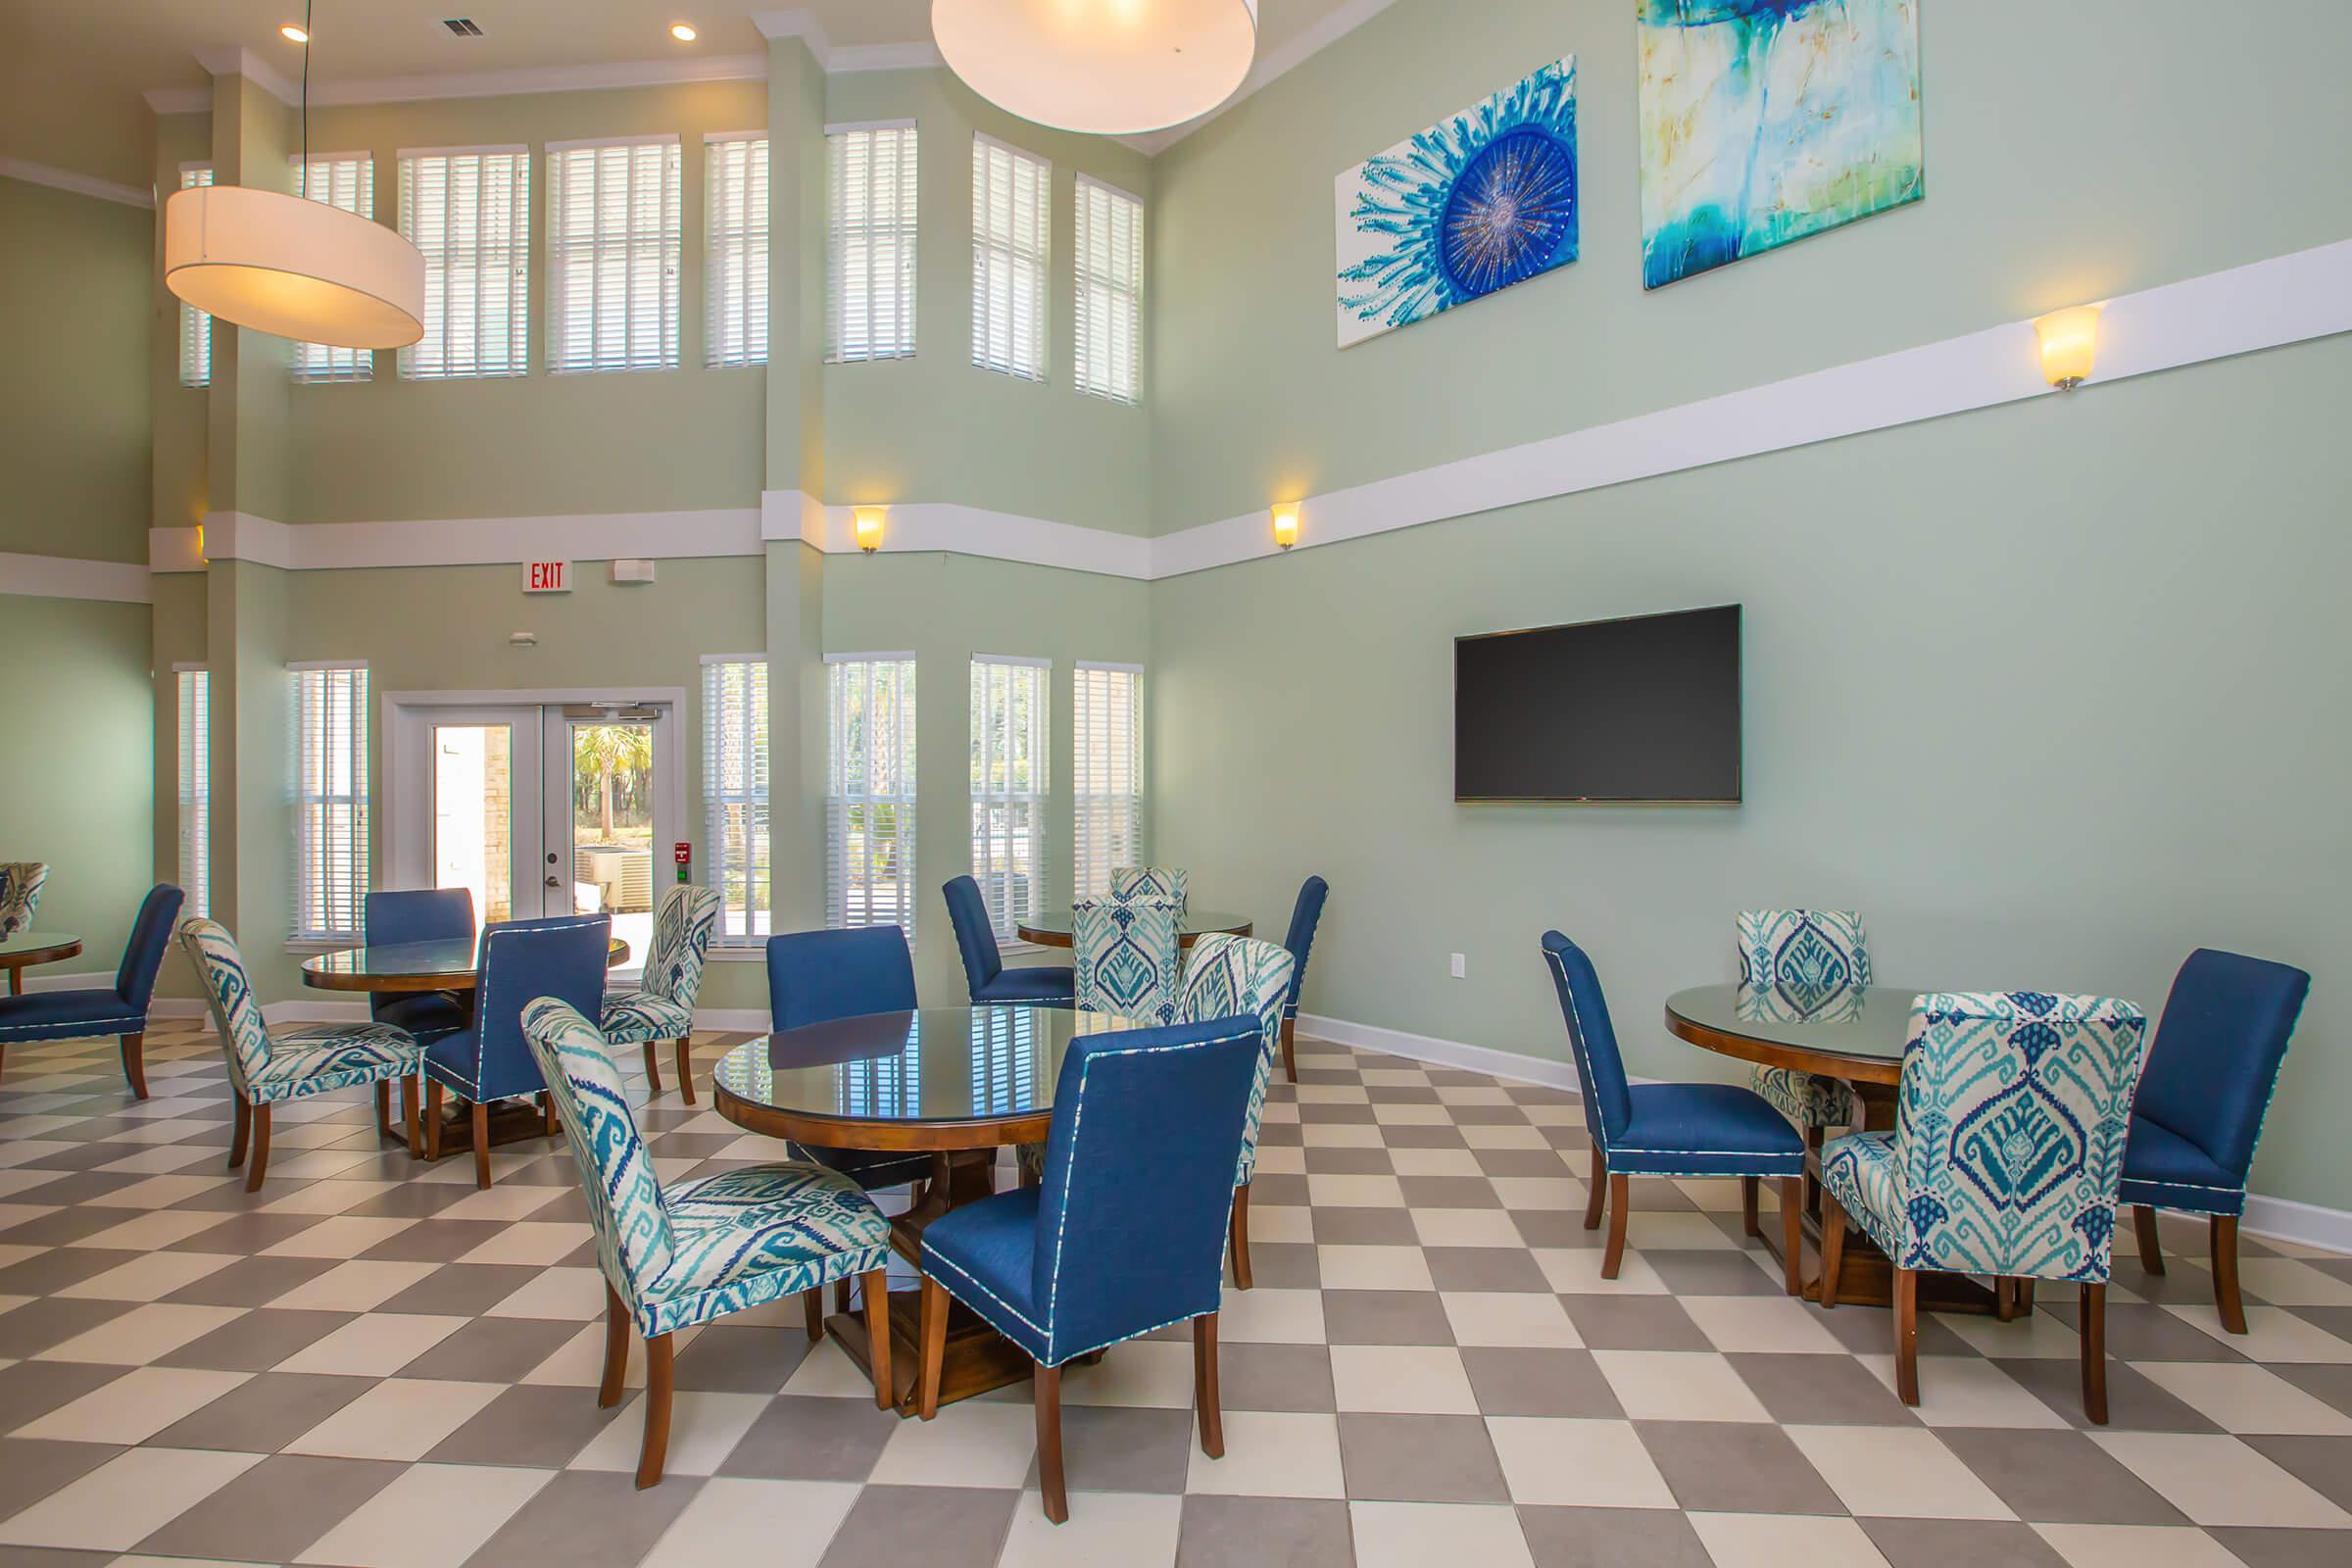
(182, 415)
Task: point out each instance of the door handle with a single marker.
(553, 883)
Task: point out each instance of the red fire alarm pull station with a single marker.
(683, 854)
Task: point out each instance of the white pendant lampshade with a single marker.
(291, 266)
(1109, 68)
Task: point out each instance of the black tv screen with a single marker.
(1638, 709)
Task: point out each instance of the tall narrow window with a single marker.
(330, 801)
(196, 787)
(468, 210)
(870, 242)
(346, 180)
(613, 254)
(1107, 752)
(1008, 786)
(1110, 292)
(1011, 200)
(735, 205)
(869, 794)
(195, 326)
(735, 795)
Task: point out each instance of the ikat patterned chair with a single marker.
(1237, 977)
(985, 976)
(2201, 1103)
(704, 1249)
(1152, 882)
(2006, 1158)
(1128, 958)
(1093, 1257)
(1305, 915)
(1806, 961)
(315, 1058)
(419, 914)
(1668, 1129)
(20, 883)
(119, 1009)
(662, 1007)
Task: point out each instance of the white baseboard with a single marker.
(2306, 1223)
(47, 980)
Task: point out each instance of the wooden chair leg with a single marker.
(1620, 1201)
(240, 1131)
(1205, 1399)
(1815, 1137)
(2222, 1242)
(840, 1296)
(1833, 1250)
(383, 1107)
(481, 1146)
(2152, 1244)
(653, 1066)
(1597, 1191)
(1239, 1235)
(1793, 1234)
(1906, 1334)
(812, 1307)
(1290, 1050)
(408, 1116)
(1750, 1187)
(658, 1369)
(686, 1068)
(261, 1148)
(2004, 1299)
(135, 1063)
(934, 1347)
(432, 1118)
(1049, 1444)
(616, 1351)
(547, 1124)
(877, 1333)
(2095, 1352)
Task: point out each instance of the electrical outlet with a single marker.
(1461, 967)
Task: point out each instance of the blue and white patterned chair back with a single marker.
(2010, 1130)
(1230, 977)
(1126, 958)
(1805, 959)
(1152, 882)
(681, 945)
(228, 997)
(20, 883)
(633, 1239)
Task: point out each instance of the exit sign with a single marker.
(547, 576)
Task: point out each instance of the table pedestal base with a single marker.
(511, 1121)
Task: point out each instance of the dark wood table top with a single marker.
(1052, 928)
(407, 966)
(37, 946)
(1857, 1035)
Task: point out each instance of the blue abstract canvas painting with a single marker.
(1766, 120)
(1479, 201)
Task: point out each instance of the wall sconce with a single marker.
(1286, 523)
(2070, 341)
(868, 527)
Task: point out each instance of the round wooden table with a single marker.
(1857, 1037)
(1055, 930)
(954, 1083)
(29, 948)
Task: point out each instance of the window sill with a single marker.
(754, 955)
(316, 945)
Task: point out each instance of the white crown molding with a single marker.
(106, 190)
(797, 22)
(235, 62)
(123, 582)
(1270, 67)
(544, 78)
(457, 542)
(915, 528)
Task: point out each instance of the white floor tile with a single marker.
(1402, 1379)
(1785, 1541)
(2136, 1547)
(1509, 1318)
(1271, 1455)
(125, 1499)
(1373, 1268)
(1104, 1526)
(972, 1444)
(2220, 1481)
(703, 1429)
(143, 1334)
(1903, 1472)
(2246, 1398)
(361, 1285)
(149, 1278)
(732, 1521)
(1414, 1535)
(1578, 1464)
(372, 1346)
(1155, 1373)
(399, 1418)
(465, 1505)
(134, 1407)
(1678, 1385)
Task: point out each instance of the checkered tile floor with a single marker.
(368, 1362)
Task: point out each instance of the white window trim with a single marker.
(752, 941)
(1038, 796)
(1080, 795)
(667, 241)
(1078, 280)
(319, 941)
(911, 799)
(836, 264)
(981, 246)
(755, 277)
(521, 365)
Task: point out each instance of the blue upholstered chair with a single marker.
(315, 1058)
(20, 883)
(1236, 977)
(120, 1009)
(2007, 1150)
(1128, 958)
(489, 1061)
(2201, 1101)
(1151, 882)
(419, 914)
(662, 1007)
(1095, 1256)
(984, 973)
(703, 1248)
(1804, 960)
(1305, 915)
(818, 976)
(1668, 1129)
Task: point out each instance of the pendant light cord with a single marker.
(306, 97)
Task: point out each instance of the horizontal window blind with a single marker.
(613, 255)
(469, 212)
(869, 796)
(346, 180)
(1110, 292)
(330, 801)
(195, 326)
(1011, 200)
(871, 243)
(735, 292)
(1010, 699)
(1108, 756)
(735, 832)
(196, 789)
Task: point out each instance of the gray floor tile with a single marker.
(1386, 1317)
(2324, 1464)
(1109, 1447)
(1714, 1272)
(1252, 1532)
(500, 1349)
(1634, 1323)
(2133, 1403)
(274, 1509)
(2058, 1478)
(1448, 1192)
(2330, 1382)
(1611, 1538)
(462, 1290)
(36, 1326)
(544, 1428)
(940, 1527)
(1943, 1543)
(1736, 1467)
(1364, 1227)
(588, 1516)
(257, 1340)
(1285, 1265)
(265, 1412)
(1521, 1381)
(1484, 1268)
(800, 1439)
(31, 1389)
(31, 1468)
(252, 1281)
(1821, 1390)
(1420, 1458)
(1275, 1377)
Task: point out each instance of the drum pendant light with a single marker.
(1109, 67)
(292, 267)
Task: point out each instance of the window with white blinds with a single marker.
(869, 246)
(735, 844)
(735, 209)
(869, 792)
(196, 788)
(346, 180)
(1008, 786)
(468, 210)
(612, 245)
(1108, 756)
(1110, 292)
(1011, 204)
(330, 801)
(195, 326)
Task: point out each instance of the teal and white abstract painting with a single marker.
(1766, 120)
(1479, 201)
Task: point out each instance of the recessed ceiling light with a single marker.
(294, 33)
(682, 31)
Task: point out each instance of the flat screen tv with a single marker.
(1645, 709)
